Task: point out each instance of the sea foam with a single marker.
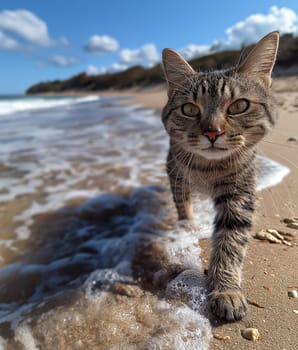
(23, 104)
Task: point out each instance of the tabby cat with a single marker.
(215, 120)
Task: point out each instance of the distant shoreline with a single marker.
(150, 97)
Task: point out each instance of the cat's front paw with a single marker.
(229, 305)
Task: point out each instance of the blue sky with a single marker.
(55, 39)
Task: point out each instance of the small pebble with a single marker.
(250, 334)
(291, 222)
(293, 294)
(293, 225)
(292, 139)
(221, 337)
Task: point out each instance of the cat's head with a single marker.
(219, 113)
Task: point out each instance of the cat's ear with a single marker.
(260, 61)
(176, 69)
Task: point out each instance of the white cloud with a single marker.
(63, 61)
(26, 25)
(92, 70)
(113, 68)
(146, 54)
(117, 67)
(101, 44)
(252, 28)
(7, 43)
(248, 31)
(191, 51)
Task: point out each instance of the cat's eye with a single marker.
(190, 110)
(238, 107)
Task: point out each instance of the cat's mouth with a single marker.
(214, 152)
(213, 148)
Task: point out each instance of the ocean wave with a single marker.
(269, 173)
(22, 104)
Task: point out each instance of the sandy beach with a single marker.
(270, 269)
(91, 250)
(128, 220)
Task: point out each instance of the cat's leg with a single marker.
(181, 196)
(231, 234)
(180, 191)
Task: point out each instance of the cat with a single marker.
(214, 121)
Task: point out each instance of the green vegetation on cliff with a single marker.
(287, 63)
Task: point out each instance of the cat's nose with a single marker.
(213, 134)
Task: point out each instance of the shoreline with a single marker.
(150, 97)
(269, 269)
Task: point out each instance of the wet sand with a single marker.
(270, 270)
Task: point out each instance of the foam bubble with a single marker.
(182, 329)
(190, 286)
(103, 280)
(107, 321)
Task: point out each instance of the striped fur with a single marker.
(212, 149)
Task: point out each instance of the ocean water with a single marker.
(90, 251)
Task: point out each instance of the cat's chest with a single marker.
(206, 181)
(202, 182)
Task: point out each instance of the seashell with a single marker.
(291, 222)
(275, 233)
(293, 225)
(287, 243)
(273, 236)
(264, 235)
(250, 334)
(221, 337)
(293, 293)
